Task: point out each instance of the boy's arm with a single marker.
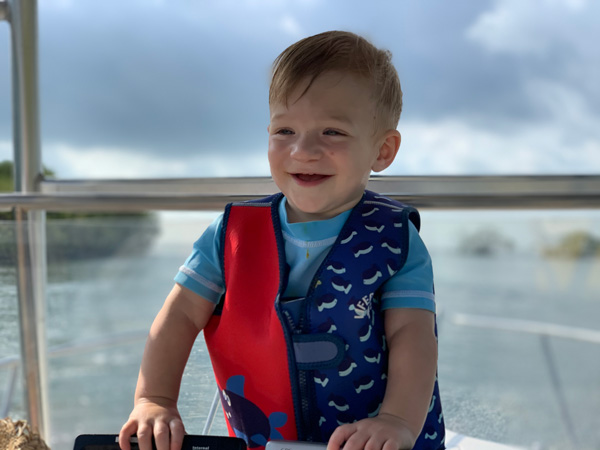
(172, 335)
(410, 335)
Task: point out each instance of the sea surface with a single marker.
(500, 379)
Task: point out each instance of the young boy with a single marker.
(316, 303)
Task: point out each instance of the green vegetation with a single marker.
(577, 244)
(76, 235)
(6, 176)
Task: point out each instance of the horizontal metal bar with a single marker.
(527, 326)
(460, 192)
(205, 186)
(126, 203)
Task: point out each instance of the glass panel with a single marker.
(517, 296)
(519, 342)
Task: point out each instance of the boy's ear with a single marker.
(390, 143)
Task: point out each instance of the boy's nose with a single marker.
(306, 148)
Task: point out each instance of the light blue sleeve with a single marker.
(201, 273)
(412, 286)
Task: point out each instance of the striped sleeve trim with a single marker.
(409, 299)
(200, 279)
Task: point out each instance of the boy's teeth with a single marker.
(309, 176)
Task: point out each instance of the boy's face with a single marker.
(322, 146)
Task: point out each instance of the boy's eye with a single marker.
(285, 131)
(332, 133)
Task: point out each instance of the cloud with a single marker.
(291, 26)
(189, 80)
(453, 147)
(102, 162)
(536, 28)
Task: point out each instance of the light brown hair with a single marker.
(344, 52)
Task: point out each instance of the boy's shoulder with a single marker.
(374, 200)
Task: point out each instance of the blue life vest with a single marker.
(299, 380)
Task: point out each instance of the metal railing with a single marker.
(436, 192)
(31, 270)
(34, 195)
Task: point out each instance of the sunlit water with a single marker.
(504, 386)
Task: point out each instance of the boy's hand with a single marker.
(384, 432)
(153, 417)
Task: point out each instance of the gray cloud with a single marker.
(170, 79)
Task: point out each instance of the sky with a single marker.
(153, 88)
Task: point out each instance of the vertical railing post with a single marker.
(30, 225)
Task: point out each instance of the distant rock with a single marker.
(577, 244)
(484, 242)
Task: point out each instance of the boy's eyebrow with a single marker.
(342, 118)
(335, 117)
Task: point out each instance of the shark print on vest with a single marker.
(329, 367)
(370, 249)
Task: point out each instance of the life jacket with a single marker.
(281, 379)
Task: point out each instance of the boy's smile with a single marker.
(323, 146)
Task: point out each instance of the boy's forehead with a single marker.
(332, 79)
(334, 93)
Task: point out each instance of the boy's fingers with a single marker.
(144, 435)
(340, 436)
(357, 441)
(161, 435)
(374, 442)
(177, 433)
(125, 434)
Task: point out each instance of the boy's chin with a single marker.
(305, 212)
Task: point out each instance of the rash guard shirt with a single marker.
(306, 246)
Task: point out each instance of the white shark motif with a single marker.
(322, 382)
(373, 279)
(366, 336)
(339, 407)
(327, 305)
(391, 271)
(343, 289)
(394, 250)
(372, 211)
(432, 404)
(375, 359)
(349, 238)
(364, 387)
(375, 413)
(348, 371)
(374, 228)
(336, 271)
(363, 252)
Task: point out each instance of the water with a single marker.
(497, 385)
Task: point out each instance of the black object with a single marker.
(190, 442)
